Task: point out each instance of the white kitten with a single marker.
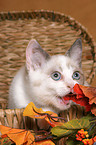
(45, 79)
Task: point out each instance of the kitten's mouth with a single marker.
(64, 102)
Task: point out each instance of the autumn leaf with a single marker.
(71, 126)
(45, 142)
(19, 136)
(89, 92)
(32, 111)
(85, 96)
(82, 99)
(38, 113)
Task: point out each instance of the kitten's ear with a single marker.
(75, 52)
(35, 55)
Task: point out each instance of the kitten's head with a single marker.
(53, 77)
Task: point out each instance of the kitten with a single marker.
(45, 79)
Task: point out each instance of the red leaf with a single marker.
(89, 92)
(85, 96)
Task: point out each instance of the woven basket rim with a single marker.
(55, 17)
(15, 15)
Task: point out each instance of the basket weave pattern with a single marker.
(55, 32)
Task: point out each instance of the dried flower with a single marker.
(83, 136)
(88, 141)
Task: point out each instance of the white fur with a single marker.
(37, 85)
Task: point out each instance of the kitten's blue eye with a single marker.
(56, 76)
(76, 75)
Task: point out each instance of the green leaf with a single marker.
(73, 142)
(77, 124)
(71, 127)
(59, 132)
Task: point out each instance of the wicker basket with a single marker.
(56, 32)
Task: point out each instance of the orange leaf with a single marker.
(38, 113)
(78, 98)
(54, 123)
(4, 136)
(45, 142)
(85, 96)
(19, 136)
(89, 92)
(81, 97)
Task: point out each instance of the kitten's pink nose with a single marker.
(71, 88)
(68, 86)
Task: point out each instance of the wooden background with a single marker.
(83, 11)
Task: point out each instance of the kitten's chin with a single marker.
(62, 101)
(64, 104)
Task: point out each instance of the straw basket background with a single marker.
(55, 32)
